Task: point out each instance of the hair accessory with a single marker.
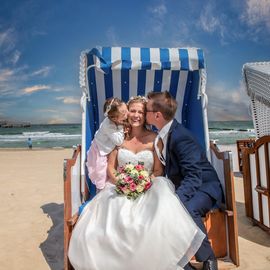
(108, 108)
(144, 99)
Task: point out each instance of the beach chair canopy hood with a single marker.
(117, 58)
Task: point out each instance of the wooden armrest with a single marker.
(72, 221)
(262, 190)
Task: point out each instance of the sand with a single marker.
(31, 210)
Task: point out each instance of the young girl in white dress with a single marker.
(153, 232)
(109, 135)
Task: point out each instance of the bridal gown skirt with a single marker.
(154, 232)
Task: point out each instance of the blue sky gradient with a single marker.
(41, 42)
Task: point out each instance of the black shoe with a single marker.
(189, 266)
(210, 264)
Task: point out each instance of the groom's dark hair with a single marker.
(163, 102)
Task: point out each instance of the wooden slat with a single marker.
(247, 181)
(230, 203)
(215, 224)
(68, 163)
(262, 191)
(267, 166)
(232, 220)
(258, 176)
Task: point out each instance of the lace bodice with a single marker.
(126, 156)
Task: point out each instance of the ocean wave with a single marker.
(38, 136)
(34, 134)
(224, 132)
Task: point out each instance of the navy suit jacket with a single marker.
(188, 167)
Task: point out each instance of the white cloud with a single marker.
(47, 111)
(209, 23)
(43, 72)
(6, 74)
(183, 36)
(227, 104)
(212, 22)
(7, 40)
(58, 120)
(12, 79)
(157, 18)
(257, 12)
(69, 100)
(70, 116)
(35, 88)
(160, 10)
(15, 57)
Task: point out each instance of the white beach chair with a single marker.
(255, 154)
(126, 72)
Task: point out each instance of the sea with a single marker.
(69, 135)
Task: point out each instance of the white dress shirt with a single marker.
(163, 134)
(108, 136)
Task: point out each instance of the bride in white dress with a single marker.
(153, 232)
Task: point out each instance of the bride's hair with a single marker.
(137, 99)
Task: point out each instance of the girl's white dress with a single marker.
(153, 232)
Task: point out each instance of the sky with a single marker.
(41, 42)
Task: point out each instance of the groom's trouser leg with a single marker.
(198, 206)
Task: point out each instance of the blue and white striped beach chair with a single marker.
(126, 72)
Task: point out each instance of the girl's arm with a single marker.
(113, 133)
(112, 165)
(117, 136)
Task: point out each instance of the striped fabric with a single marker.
(126, 72)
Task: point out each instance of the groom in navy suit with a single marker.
(196, 181)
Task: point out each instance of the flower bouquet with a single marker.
(132, 180)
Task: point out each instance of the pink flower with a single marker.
(139, 167)
(132, 186)
(147, 185)
(128, 179)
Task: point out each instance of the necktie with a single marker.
(159, 148)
